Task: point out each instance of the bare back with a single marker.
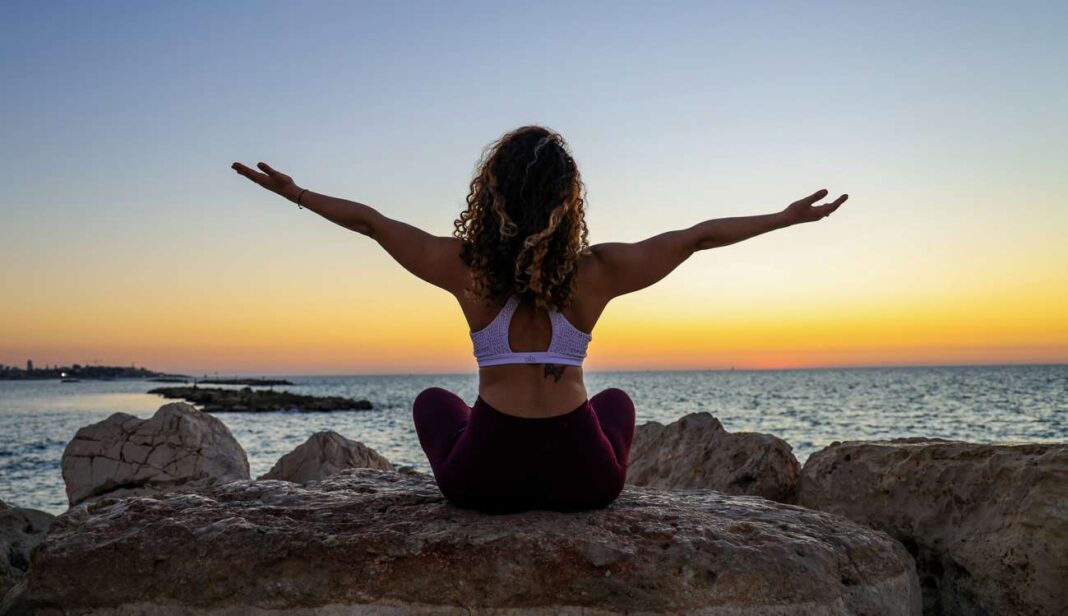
(535, 390)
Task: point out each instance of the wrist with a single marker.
(785, 219)
(291, 192)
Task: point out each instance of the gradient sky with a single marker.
(126, 238)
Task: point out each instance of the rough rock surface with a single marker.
(20, 530)
(324, 454)
(369, 541)
(988, 524)
(177, 447)
(696, 452)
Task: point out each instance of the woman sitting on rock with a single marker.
(532, 290)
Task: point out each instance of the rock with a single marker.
(988, 524)
(20, 530)
(366, 541)
(324, 454)
(179, 447)
(696, 452)
(248, 400)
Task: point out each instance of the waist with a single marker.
(532, 391)
(484, 415)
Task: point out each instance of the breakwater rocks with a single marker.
(178, 447)
(324, 454)
(20, 530)
(987, 524)
(367, 541)
(884, 528)
(248, 400)
(696, 452)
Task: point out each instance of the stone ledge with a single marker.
(370, 541)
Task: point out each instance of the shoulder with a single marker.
(593, 265)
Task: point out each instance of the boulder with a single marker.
(324, 454)
(987, 524)
(178, 447)
(367, 541)
(20, 530)
(696, 452)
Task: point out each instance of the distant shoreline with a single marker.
(279, 378)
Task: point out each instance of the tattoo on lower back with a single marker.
(554, 370)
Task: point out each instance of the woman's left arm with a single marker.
(435, 259)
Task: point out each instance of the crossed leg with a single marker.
(615, 412)
(440, 417)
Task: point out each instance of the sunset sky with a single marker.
(125, 237)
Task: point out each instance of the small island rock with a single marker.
(696, 452)
(366, 541)
(323, 454)
(248, 400)
(987, 524)
(178, 447)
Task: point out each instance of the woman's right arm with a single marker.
(618, 268)
(434, 259)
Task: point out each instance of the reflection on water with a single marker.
(808, 408)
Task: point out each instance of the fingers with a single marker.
(814, 197)
(827, 208)
(270, 170)
(833, 205)
(251, 174)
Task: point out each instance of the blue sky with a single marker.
(944, 121)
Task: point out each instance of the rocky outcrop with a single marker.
(179, 447)
(324, 454)
(20, 530)
(248, 400)
(367, 541)
(988, 524)
(696, 452)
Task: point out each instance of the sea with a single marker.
(809, 408)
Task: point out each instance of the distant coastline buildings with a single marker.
(75, 371)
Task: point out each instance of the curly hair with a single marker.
(524, 228)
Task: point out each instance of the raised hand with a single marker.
(803, 210)
(272, 180)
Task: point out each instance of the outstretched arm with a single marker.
(618, 268)
(431, 258)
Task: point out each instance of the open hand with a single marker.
(274, 181)
(804, 210)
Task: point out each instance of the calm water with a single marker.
(808, 408)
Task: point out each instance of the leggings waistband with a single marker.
(484, 413)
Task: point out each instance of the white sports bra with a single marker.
(567, 346)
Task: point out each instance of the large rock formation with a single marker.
(988, 524)
(367, 541)
(179, 447)
(696, 452)
(20, 530)
(324, 454)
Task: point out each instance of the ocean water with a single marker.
(808, 408)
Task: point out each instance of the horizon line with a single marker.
(217, 374)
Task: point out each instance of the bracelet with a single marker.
(298, 199)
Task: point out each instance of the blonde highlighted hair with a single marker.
(524, 228)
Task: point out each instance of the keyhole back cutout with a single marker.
(530, 330)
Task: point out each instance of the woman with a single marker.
(532, 290)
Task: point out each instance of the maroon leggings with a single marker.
(490, 461)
